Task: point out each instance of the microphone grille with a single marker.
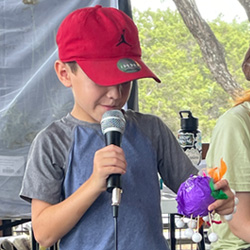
(113, 120)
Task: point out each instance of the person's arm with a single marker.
(52, 222)
(240, 224)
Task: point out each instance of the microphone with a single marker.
(113, 126)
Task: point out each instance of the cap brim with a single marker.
(109, 72)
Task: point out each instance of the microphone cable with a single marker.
(116, 199)
(115, 211)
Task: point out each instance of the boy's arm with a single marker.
(51, 222)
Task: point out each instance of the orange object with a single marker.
(200, 222)
(217, 172)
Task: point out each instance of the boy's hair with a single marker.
(105, 44)
(73, 66)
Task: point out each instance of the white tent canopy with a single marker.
(31, 96)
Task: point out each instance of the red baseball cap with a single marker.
(105, 44)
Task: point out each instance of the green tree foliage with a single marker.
(170, 50)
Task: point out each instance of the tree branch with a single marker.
(212, 50)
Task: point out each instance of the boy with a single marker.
(68, 163)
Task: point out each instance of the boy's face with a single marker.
(93, 100)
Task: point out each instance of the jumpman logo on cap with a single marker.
(122, 39)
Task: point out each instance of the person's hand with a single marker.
(108, 160)
(223, 207)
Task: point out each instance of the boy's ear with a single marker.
(62, 71)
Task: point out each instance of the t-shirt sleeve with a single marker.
(174, 165)
(44, 170)
(230, 141)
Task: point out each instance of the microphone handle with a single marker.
(114, 180)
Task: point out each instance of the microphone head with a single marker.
(113, 120)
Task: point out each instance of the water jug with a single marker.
(189, 137)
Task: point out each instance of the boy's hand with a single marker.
(223, 207)
(108, 160)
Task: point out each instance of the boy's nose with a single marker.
(114, 91)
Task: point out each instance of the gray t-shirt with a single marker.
(61, 160)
